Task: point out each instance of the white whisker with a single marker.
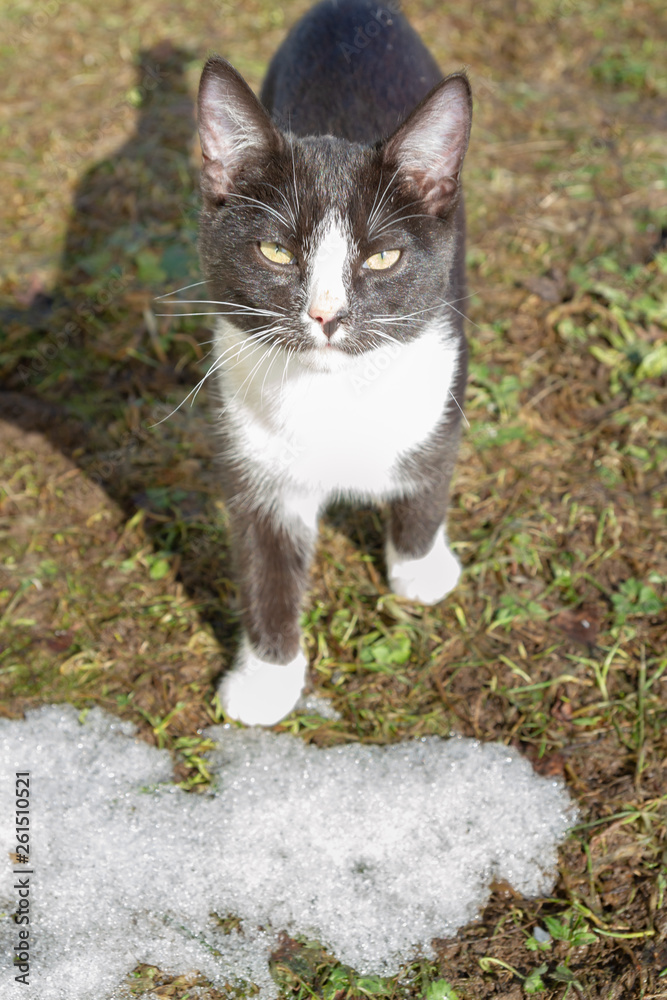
(247, 379)
(236, 306)
(266, 373)
(452, 306)
(287, 204)
(290, 352)
(294, 185)
(385, 338)
(398, 211)
(389, 319)
(371, 213)
(256, 338)
(386, 196)
(177, 290)
(390, 225)
(260, 204)
(399, 319)
(459, 408)
(259, 345)
(216, 312)
(376, 212)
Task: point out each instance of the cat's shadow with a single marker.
(125, 206)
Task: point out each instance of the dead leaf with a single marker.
(581, 625)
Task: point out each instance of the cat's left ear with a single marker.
(429, 147)
(234, 129)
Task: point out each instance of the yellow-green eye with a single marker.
(276, 253)
(383, 260)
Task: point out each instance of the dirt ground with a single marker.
(115, 586)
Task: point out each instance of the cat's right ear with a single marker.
(234, 128)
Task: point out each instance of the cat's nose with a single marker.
(328, 321)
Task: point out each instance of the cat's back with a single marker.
(350, 68)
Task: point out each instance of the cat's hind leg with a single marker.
(420, 564)
(269, 672)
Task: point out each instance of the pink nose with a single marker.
(328, 321)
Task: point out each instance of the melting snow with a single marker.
(371, 850)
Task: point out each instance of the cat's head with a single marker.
(327, 247)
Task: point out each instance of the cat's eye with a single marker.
(276, 253)
(383, 260)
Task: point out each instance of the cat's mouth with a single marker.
(325, 358)
(325, 351)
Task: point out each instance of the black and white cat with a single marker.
(333, 248)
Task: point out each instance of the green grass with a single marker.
(116, 587)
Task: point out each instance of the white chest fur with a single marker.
(324, 433)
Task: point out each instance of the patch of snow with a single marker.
(317, 704)
(371, 850)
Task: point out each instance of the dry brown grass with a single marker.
(115, 585)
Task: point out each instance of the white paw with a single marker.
(260, 693)
(427, 579)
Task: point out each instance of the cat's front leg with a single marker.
(272, 563)
(420, 564)
(261, 692)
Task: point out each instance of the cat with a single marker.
(332, 239)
